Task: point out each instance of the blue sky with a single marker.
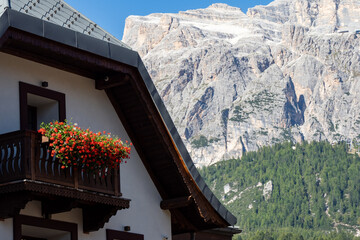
(111, 14)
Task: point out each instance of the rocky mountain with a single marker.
(234, 82)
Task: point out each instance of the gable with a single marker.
(121, 73)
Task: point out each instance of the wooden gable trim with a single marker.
(112, 81)
(204, 207)
(144, 102)
(176, 203)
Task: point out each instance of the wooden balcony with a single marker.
(23, 156)
(28, 172)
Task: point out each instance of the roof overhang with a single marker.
(121, 73)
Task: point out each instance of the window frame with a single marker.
(26, 88)
(120, 235)
(43, 223)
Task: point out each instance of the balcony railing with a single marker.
(23, 156)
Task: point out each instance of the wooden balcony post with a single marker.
(117, 181)
(76, 178)
(28, 156)
(34, 152)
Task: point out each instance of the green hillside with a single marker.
(302, 191)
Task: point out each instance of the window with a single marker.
(39, 105)
(33, 228)
(119, 235)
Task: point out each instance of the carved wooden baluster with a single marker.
(2, 160)
(94, 178)
(81, 177)
(48, 162)
(68, 173)
(11, 158)
(91, 179)
(102, 180)
(52, 164)
(48, 166)
(43, 162)
(107, 180)
(57, 169)
(6, 158)
(62, 173)
(47, 158)
(41, 159)
(17, 160)
(98, 179)
(84, 180)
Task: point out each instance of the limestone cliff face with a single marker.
(234, 82)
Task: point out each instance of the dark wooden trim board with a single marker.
(120, 235)
(26, 88)
(44, 223)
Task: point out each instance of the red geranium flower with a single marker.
(83, 148)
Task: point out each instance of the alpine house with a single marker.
(56, 64)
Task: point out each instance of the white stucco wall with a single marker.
(89, 108)
(6, 229)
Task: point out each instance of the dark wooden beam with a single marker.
(112, 81)
(53, 206)
(180, 223)
(176, 203)
(97, 208)
(95, 217)
(12, 203)
(32, 238)
(113, 235)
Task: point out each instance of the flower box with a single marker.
(84, 149)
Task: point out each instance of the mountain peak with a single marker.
(234, 82)
(223, 6)
(324, 16)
